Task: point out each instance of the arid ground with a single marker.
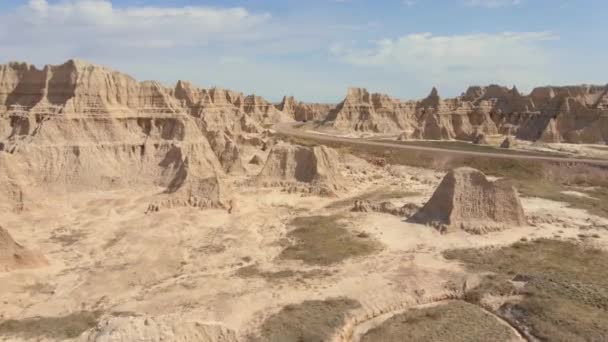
(136, 212)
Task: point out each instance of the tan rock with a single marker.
(301, 111)
(467, 200)
(256, 160)
(574, 114)
(78, 126)
(299, 168)
(14, 256)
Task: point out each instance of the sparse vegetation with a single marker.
(324, 240)
(59, 328)
(66, 237)
(532, 178)
(565, 296)
(253, 271)
(457, 145)
(309, 321)
(454, 321)
(378, 195)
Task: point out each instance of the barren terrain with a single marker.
(142, 213)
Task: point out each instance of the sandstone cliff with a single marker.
(574, 114)
(301, 111)
(80, 126)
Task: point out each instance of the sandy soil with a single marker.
(107, 254)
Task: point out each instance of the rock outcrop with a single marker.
(227, 117)
(574, 114)
(303, 169)
(301, 111)
(79, 126)
(467, 200)
(256, 160)
(14, 256)
(362, 111)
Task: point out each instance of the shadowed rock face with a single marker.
(574, 114)
(467, 200)
(14, 256)
(79, 126)
(309, 169)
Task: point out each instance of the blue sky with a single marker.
(315, 49)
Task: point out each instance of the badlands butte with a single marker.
(133, 211)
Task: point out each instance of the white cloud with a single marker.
(492, 3)
(456, 60)
(104, 24)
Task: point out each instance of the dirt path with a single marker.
(288, 129)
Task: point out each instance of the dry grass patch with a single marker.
(58, 328)
(532, 178)
(253, 271)
(325, 240)
(565, 291)
(309, 321)
(458, 145)
(451, 322)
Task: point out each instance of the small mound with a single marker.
(506, 143)
(163, 328)
(467, 200)
(191, 182)
(480, 139)
(303, 169)
(256, 160)
(14, 256)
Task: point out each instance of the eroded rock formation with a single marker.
(14, 256)
(465, 199)
(306, 169)
(79, 126)
(574, 114)
(256, 160)
(301, 111)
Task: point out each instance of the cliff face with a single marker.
(78, 126)
(301, 111)
(574, 114)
